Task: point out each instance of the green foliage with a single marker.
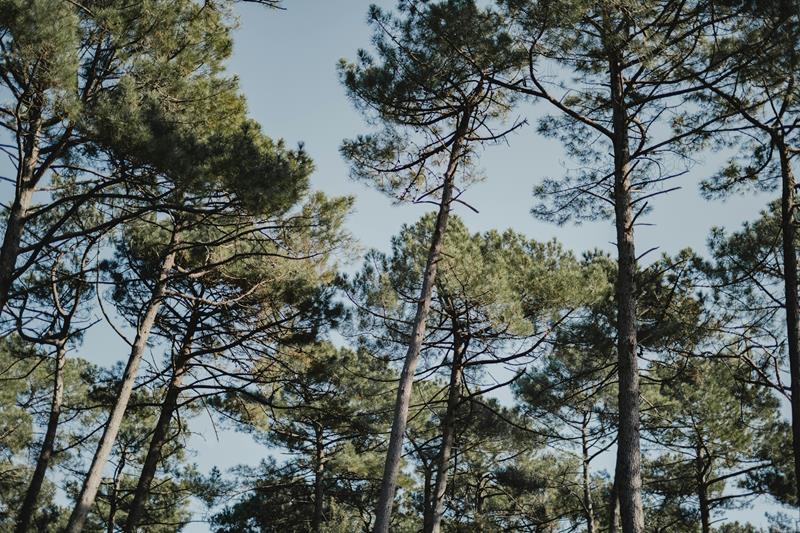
(327, 418)
(24, 403)
(136, 145)
(429, 73)
(25, 378)
(176, 481)
(707, 424)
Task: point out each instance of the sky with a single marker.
(286, 63)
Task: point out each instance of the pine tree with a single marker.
(623, 61)
(327, 419)
(759, 46)
(435, 106)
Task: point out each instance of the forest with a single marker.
(453, 380)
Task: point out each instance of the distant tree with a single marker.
(52, 311)
(496, 299)
(435, 106)
(568, 396)
(327, 419)
(25, 376)
(706, 423)
(747, 276)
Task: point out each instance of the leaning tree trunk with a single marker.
(161, 431)
(394, 453)
(91, 483)
(788, 230)
(629, 482)
(448, 433)
(27, 176)
(588, 507)
(28, 507)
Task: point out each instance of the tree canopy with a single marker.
(452, 380)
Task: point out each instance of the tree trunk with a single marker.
(319, 495)
(788, 230)
(91, 483)
(112, 506)
(705, 512)
(26, 179)
(702, 493)
(588, 508)
(629, 483)
(448, 432)
(161, 431)
(394, 453)
(613, 504)
(18, 213)
(427, 504)
(28, 508)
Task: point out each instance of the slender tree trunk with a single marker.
(11, 240)
(113, 497)
(448, 432)
(394, 453)
(702, 489)
(319, 471)
(591, 526)
(479, 500)
(629, 483)
(91, 483)
(702, 492)
(613, 506)
(705, 512)
(28, 508)
(18, 213)
(788, 207)
(161, 431)
(112, 506)
(427, 504)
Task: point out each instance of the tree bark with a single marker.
(91, 483)
(629, 482)
(788, 230)
(448, 432)
(613, 507)
(319, 470)
(427, 504)
(613, 501)
(27, 176)
(705, 513)
(161, 431)
(28, 508)
(591, 526)
(394, 453)
(113, 502)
